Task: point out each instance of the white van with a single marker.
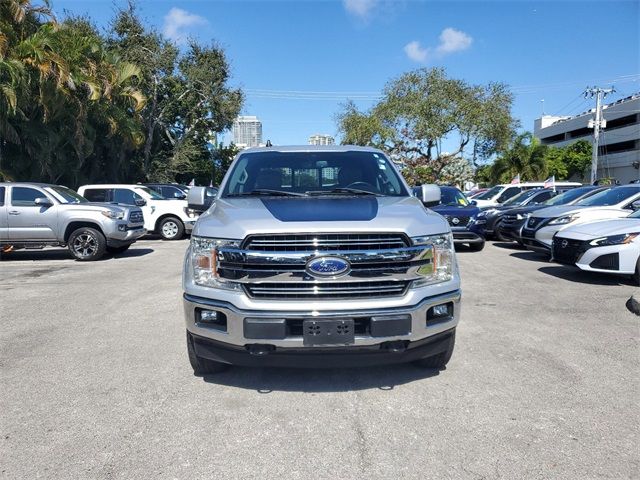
(503, 192)
(168, 217)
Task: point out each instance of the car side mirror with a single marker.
(43, 202)
(473, 202)
(140, 202)
(430, 195)
(500, 199)
(198, 200)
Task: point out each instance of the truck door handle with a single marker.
(14, 212)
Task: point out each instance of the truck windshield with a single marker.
(66, 195)
(151, 193)
(313, 173)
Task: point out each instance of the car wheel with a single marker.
(171, 228)
(87, 244)
(202, 366)
(476, 247)
(497, 233)
(116, 250)
(440, 360)
(636, 276)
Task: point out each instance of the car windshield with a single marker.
(66, 195)
(568, 196)
(313, 173)
(613, 196)
(521, 197)
(635, 214)
(489, 194)
(453, 197)
(151, 193)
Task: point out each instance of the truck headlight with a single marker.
(441, 254)
(113, 214)
(190, 212)
(564, 220)
(621, 239)
(204, 261)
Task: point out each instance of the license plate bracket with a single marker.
(328, 332)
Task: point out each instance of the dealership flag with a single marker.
(192, 183)
(516, 179)
(550, 182)
(210, 184)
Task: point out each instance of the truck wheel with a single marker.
(117, 250)
(636, 276)
(438, 361)
(476, 247)
(171, 228)
(87, 244)
(202, 366)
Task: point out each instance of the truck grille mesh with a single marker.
(325, 242)
(136, 217)
(300, 290)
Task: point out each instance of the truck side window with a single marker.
(25, 197)
(125, 196)
(97, 194)
(1, 196)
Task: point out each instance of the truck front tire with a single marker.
(439, 361)
(202, 366)
(87, 244)
(171, 228)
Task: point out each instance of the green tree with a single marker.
(525, 157)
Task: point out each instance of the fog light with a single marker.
(209, 316)
(439, 310)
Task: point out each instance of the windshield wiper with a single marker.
(265, 191)
(345, 190)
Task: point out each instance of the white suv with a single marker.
(542, 225)
(501, 193)
(168, 217)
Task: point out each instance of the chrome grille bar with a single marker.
(326, 242)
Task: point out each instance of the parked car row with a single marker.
(93, 221)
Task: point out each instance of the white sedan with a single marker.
(609, 246)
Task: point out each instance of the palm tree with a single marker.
(525, 157)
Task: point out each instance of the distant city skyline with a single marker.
(247, 131)
(321, 139)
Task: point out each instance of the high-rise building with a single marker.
(319, 139)
(247, 131)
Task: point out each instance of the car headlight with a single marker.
(204, 254)
(441, 256)
(621, 239)
(113, 214)
(485, 213)
(520, 216)
(564, 220)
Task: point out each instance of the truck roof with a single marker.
(312, 148)
(24, 184)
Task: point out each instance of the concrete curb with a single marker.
(633, 305)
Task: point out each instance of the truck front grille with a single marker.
(325, 242)
(337, 290)
(136, 217)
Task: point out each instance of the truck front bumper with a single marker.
(125, 235)
(246, 337)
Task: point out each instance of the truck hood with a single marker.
(235, 218)
(603, 228)
(97, 206)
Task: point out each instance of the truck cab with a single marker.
(318, 256)
(170, 218)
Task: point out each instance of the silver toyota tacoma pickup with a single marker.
(318, 256)
(35, 215)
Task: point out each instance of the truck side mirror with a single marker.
(140, 202)
(431, 195)
(43, 202)
(198, 200)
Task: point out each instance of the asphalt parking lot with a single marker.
(96, 384)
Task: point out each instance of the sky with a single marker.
(299, 61)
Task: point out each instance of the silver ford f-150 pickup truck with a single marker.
(319, 256)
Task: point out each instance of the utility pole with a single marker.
(596, 124)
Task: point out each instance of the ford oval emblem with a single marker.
(327, 266)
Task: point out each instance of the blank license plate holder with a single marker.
(328, 332)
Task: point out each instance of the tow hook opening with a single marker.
(395, 346)
(259, 349)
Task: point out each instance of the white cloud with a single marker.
(451, 41)
(359, 8)
(177, 23)
(416, 52)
